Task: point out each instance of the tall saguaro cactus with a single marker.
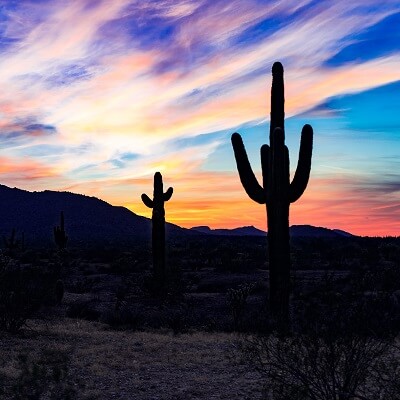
(276, 191)
(158, 232)
(60, 237)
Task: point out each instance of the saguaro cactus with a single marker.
(158, 232)
(60, 237)
(11, 243)
(277, 192)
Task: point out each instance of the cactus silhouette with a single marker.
(60, 237)
(158, 229)
(11, 243)
(277, 192)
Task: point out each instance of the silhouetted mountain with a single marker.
(87, 219)
(295, 231)
(316, 231)
(243, 231)
(91, 220)
(343, 233)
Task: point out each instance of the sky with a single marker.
(96, 96)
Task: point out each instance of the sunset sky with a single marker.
(96, 96)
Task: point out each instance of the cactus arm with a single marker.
(167, 195)
(147, 201)
(302, 173)
(265, 157)
(246, 174)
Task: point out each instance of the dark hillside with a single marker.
(87, 219)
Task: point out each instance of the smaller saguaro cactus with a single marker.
(158, 227)
(11, 242)
(60, 237)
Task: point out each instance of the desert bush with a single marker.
(81, 285)
(178, 320)
(83, 309)
(123, 318)
(173, 290)
(42, 377)
(59, 291)
(23, 290)
(341, 346)
(384, 278)
(212, 286)
(237, 300)
(176, 285)
(326, 367)
(127, 264)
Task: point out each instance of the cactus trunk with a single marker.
(277, 192)
(279, 259)
(158, 243)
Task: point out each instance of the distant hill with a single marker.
(243, 231)
(316, 231)
(87, 219)
(295, 231)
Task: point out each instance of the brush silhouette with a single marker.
(11, 243)
(277, 192)
(60, 237)
(158, 227)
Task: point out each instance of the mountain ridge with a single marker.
(89, 219)
(294, 230)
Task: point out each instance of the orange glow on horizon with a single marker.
(228, 206)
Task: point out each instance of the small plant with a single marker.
(60, 237)
(43, 378)
(158, 228)
(22, 293)
(123, 318)
(237, 299)
(325, 367)
(178, 321)
(84, 309)
(59, 291)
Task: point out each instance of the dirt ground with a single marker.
(105, 364)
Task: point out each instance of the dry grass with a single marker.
(106, 364)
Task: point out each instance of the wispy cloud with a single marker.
(13, 172)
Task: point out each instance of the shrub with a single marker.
(22, 292)
(45, 377)
(122, 317)
(178, 321)
(341, 347)
(59, 291)
(83, 309)
(237, 299)
(328, 367)
(81, 285)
